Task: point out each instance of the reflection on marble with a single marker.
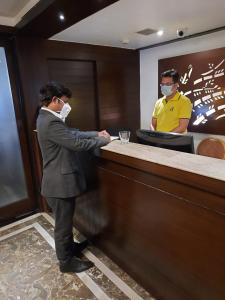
(24, 258)
(117, 270)
(29, 269)
(56, 285)
(106, 284)
(121, 274)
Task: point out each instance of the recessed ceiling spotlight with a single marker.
(125, 41)
(160, 32)
(61, 17)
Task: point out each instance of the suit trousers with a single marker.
(63, 210)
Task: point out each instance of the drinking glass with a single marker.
(124, 136)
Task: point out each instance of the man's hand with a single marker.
(153, 124)
(104, 133)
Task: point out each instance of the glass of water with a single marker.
(124, 136)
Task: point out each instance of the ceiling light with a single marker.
(125, 41)
(61, 17)
(160, 32)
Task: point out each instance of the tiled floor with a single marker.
(29, 270)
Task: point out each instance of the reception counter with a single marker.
(160, 215)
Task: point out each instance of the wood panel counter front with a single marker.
(160, 214)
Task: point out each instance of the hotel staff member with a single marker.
(173, 111)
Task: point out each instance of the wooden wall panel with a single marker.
(6, 31)
(33, 73)
(79, 77)
(117, 74)
(118, 96)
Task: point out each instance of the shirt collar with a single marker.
(175, 97)
(52, 112)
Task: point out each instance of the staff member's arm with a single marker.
(153, 125)
(183, 124)
(184, 117)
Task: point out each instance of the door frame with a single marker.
(30, 205)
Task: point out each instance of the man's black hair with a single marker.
(171, 73)
(51, 89)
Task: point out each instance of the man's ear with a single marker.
(55, 99)
(177, 84)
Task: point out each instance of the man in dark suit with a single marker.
(62, 178)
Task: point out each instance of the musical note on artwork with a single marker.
(219, 73)
(187, 93)
(219, 117)
(184, 79)
(219, 64)
(197, 81)
(197, 102)
(210, 111)
(221, 107)
(199, 120)
(218, 95)
(207, 77)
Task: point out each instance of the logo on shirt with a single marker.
(172, 108)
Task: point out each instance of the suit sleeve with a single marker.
(83, 134)
(61, 135)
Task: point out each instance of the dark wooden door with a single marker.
(79, 77)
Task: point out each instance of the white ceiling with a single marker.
(12, 11)
(121, 20)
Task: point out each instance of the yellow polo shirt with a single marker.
(168, 113)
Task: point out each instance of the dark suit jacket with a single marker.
(62, 175)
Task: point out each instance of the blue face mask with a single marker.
(166, 90)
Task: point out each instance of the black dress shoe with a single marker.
(79, 247)
(75, 265)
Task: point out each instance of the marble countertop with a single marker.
(202, 165)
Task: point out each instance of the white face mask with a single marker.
(65, 110)
(167, 90)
